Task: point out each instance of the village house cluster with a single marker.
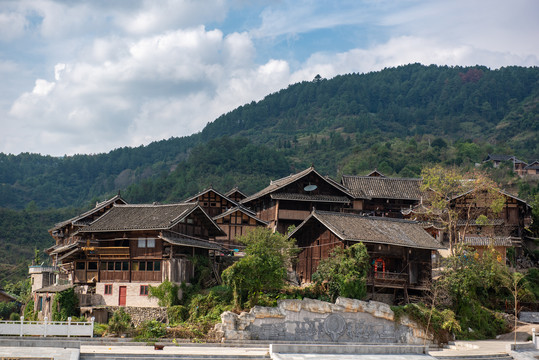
(114, 252)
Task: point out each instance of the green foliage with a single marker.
(120, 322)
(166, 293)
(344, 272)
(7, 308)
(64, 305)
(28, 312)
(100, 329)
(14, 316)
(532, 279)
(177, 314)
(151, 329)
(442, 323)
(398, 119)
(264, 266)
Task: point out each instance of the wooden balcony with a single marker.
(388, 279)
(107, 252)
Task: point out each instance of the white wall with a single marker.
(133, 297)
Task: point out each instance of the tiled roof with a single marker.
(280, 183)
(141, 217)
(207, 191)
(487, 241)
(499, 157)
(353, 227)
(308, 197)
(370, 187)
(243, 210)
(80, 219)
(235, 190)
(54, 288)
(178, 239)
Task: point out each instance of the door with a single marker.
(122, 296)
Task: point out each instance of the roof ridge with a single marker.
(406, 221)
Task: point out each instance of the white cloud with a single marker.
(11, 26)
(87, 77)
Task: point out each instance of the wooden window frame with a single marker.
(144, 290)
(108, 287)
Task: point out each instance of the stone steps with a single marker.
(476, 357)
(84, 356)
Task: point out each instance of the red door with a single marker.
(123, 295)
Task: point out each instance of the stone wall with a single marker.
(138, 314)
(309, 320)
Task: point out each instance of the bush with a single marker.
(29, 313)
(65, 305)
(177, 314)
(7, 308)
(151, 329)
(120, 322)
(100, 329)
(166, 293)
(14, 317)
(442, 323)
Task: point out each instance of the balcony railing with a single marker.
(107, 252)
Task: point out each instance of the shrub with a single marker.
(14, 316)
(166, 293)
(151, 329)
(64, 305)
(100, 329)
(7, 308)
(177, 314)
(344, 272)
(120, 322)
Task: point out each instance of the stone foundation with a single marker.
(312, 321)
(138, 314)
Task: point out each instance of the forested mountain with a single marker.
(396, 120)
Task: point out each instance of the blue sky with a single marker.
(91, 76)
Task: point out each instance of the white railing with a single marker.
(47, 328)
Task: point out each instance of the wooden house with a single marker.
(66, 233)
(378, 195)
(400, 250)
(289, 200)
(233, 218)
(236, 222)
(236, 195)
(116, 257)
(505, 229)
(213, 202)
(531, 169)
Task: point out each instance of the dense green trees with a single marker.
(397, 120)
(264, 266)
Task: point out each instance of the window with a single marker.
(141, 243)
(144, 290)
(135, 266)
(157, 266)
(80, 265)
(142, 266)
(118, 266)
(40, 303)
(110, 266)
(125, 266)
(92, 265)
(146, 243)
(108, 289)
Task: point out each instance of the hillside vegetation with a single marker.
(396, 120)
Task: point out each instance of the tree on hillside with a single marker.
(268, 256)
